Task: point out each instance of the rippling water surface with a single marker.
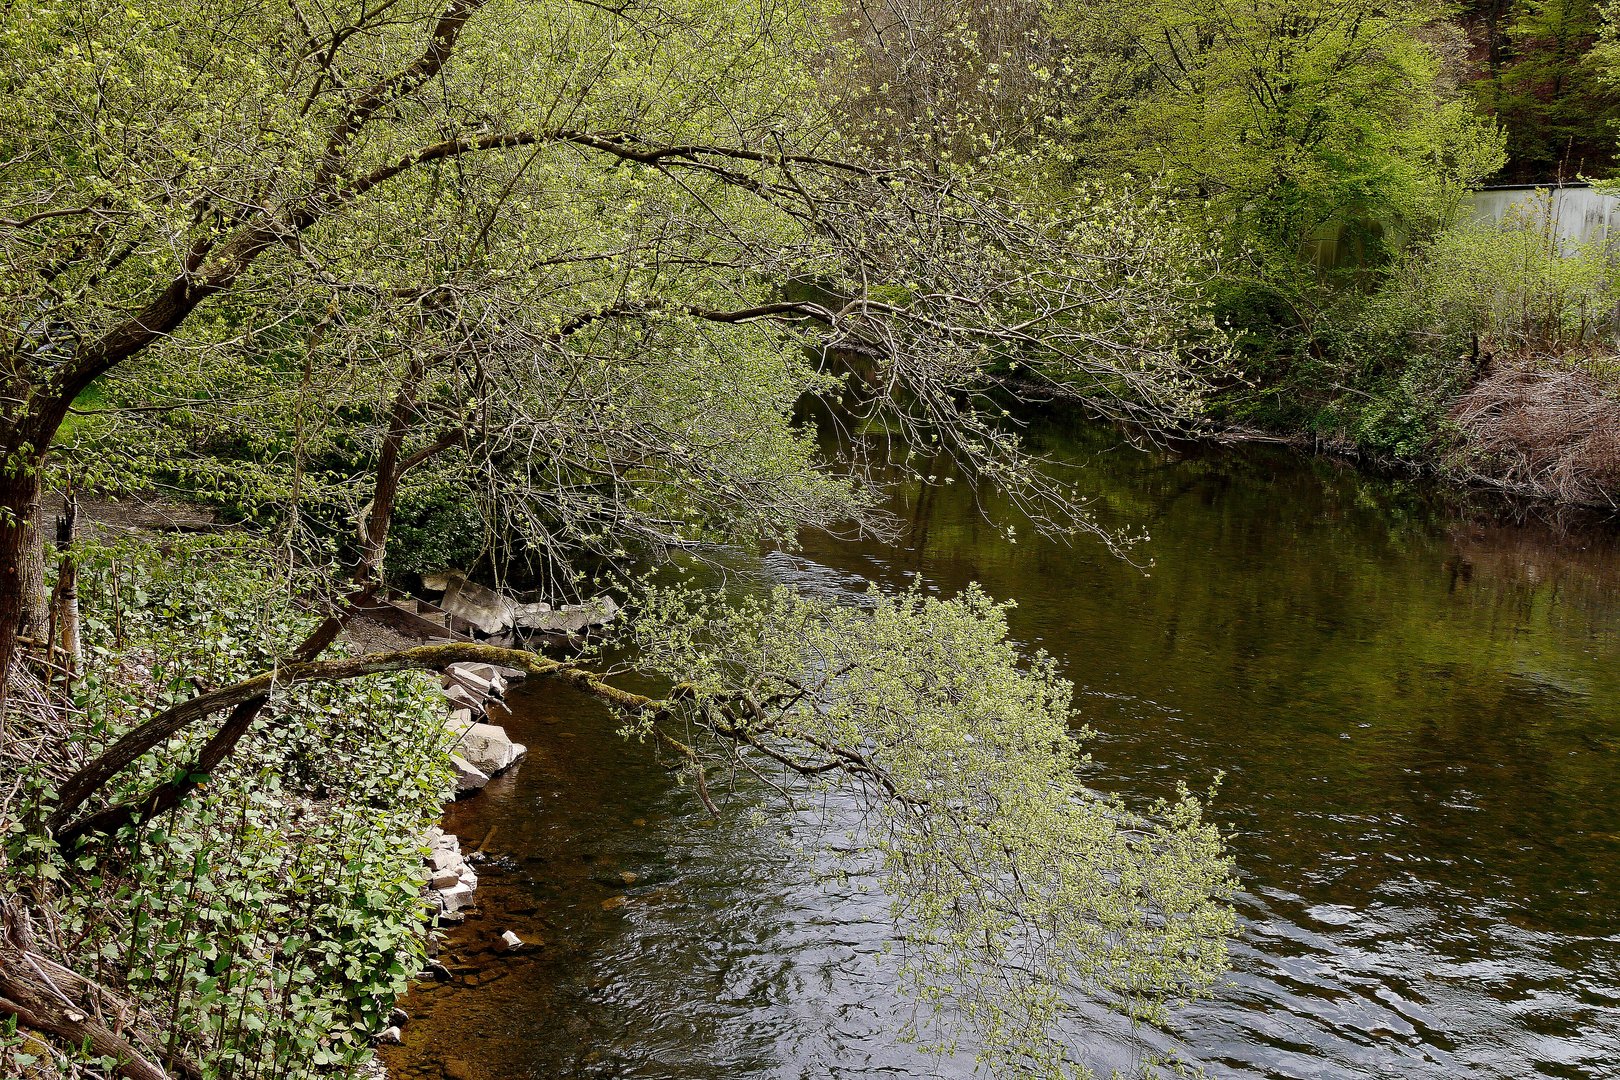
(1416, 709)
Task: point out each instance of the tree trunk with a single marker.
(385, 492)
(367, 579)
(65, 598)
(22, 561)
(77, 789)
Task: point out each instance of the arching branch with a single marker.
(126, 751)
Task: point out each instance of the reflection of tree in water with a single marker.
(1413, 697)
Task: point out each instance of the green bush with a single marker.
(437, 524)
(268, 924)
(1516, 286)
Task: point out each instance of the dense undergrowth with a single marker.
(268, 928)
(1486, 354)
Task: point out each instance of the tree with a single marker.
(183, 194)
(1545, 86)
(581, 263)
(1288, 116)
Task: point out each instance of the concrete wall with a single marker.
(1577, 214)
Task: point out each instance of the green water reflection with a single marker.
(1416, 707)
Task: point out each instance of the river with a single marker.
(1416, 709)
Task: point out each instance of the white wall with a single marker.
(1578, 214)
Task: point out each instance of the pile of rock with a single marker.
(494, 613)
(451, 882)
(483, 750)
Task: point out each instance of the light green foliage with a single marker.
(271, 925)
(1287, 117)
(593, 305)
(1475, 301)
(1015, 888)
(1517, 286)
(566, 247)
(948, 82)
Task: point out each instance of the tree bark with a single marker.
(22, 561)
(65, 598)
(55, 1000)
(385, 489)
(29, 1000)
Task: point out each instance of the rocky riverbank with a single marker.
(483, 750)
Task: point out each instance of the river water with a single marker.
(1416, 709)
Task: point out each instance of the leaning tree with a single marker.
(584, 261)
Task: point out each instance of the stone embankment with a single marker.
(493, 613)
(483, 750)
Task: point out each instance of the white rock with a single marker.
(569, 619)
(464, 698)
(524, 616)
(440, 581)
(469, 777)
(444, 879)
(458, 677)
(486, 683)
(392, 1035)
(487, 747)
(456, 897)
(446, 858)
(485, 608)
(512, 940)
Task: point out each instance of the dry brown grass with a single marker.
(1551, 429)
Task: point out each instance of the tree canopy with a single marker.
(573, 273)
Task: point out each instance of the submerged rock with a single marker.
(570, 618)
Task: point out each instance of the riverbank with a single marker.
(1534, 428)
(1143, 492)
(1540, 432)
(266, 911)
(296, 875)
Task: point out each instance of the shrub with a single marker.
(1515, 287)
(266, 929)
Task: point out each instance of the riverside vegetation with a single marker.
(547, 290)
